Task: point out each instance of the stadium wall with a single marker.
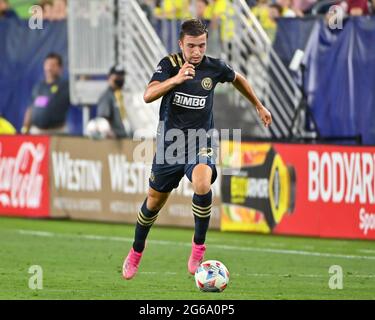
(294, 189)
(107, 180)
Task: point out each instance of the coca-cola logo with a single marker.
(20, 179)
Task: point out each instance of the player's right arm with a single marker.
(162, 82)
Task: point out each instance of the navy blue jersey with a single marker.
(189, 105)
(187, 108)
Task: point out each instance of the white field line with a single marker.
(187, 244)
(366, 251)
(269, 275)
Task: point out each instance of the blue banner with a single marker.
(340, 78)
(22, 52)
(292, 34)
(340, 72)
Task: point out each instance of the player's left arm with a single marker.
(243, 86)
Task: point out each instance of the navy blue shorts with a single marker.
(166, 177)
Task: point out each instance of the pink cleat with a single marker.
(131, 264)
(196, 256)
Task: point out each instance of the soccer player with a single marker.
(186, 81)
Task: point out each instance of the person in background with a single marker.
(50, 101)
(286, 5)
(275, 12)
(46, 6)
(356, 7)
(6, 11)
(262, 12)
(222, 22)
(53, 10)
(302, 7)
(202, 11)
(59, 10)
(168, 16)
(172, 9)
(111, 104)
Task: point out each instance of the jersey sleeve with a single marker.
(163, 71)
(227, 72)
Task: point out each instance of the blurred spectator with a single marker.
(286, 5)
(47, 6)
(356, 7)
(50, 101)
(111, 105)
(168, 17)
(6, 11)
(302, 7)
(267, 15)
(172, 9)
(53, 9)
(275, 12)
(202, 11)
(222, 19)
(261, 11)
(148, 7)
(59, 9)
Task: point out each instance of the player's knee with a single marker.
(154, 202)
(202, 186)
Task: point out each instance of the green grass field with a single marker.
(82, 260)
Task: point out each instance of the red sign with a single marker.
(335, 191)
(24, 185)
(313, 190)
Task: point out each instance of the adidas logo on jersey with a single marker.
(189, 101)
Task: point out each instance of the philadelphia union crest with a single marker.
(207, 83)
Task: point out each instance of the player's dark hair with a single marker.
(193, 27)
(56, 56)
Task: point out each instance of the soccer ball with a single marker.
(212, 276)
(99, 128)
